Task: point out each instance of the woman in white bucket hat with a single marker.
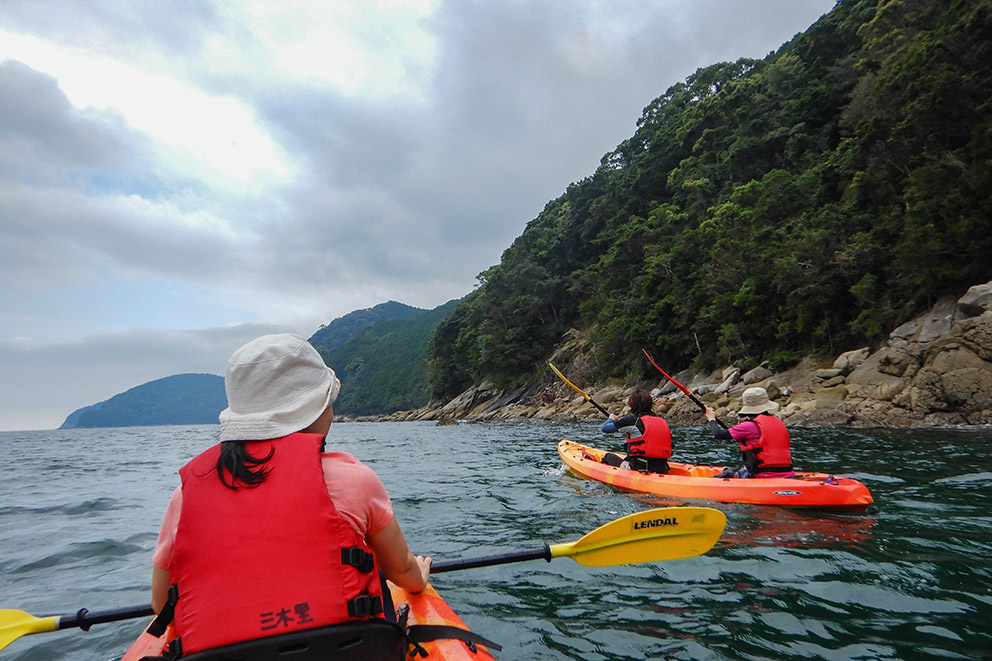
(762, 438)
(268, 533)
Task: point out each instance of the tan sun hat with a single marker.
(276, 385)
(755, 400)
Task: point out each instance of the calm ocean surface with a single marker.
(911, 578)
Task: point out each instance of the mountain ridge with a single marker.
(180, 399)
(377, 352)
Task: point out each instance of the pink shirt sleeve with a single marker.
(357, 492)
(745, 432)
(167, 533)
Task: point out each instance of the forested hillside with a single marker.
(331, 336)
(381, 364)
(181, 399)
(803, 204)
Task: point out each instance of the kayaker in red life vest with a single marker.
(762, 438)
(649, 440)
(269, 534)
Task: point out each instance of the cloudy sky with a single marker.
(179, 177)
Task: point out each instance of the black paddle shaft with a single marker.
(703, 407)
(601, 409)
(491, 560)
(84, 619)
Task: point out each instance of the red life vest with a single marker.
(656, 441)
(259, 561)
(772, 447)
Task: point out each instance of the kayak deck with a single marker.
(427, 607)
(807, 490)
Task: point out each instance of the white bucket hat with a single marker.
(276, 385)
(755, 400)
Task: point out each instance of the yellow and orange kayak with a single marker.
(427, 607)
(807, 490)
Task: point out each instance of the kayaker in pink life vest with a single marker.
(269, 534)
(649, 440)
(763, 439)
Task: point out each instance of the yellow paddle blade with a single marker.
(666, 533)
(574, 387)
(15, 623)
(580, 391)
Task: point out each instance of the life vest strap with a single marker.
(364, 606)
(167, 614)
(358, 558)
(423, 633)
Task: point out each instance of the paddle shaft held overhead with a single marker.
(685, 390)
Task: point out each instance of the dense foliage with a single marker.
(182, 399)
(331, 336)
(805, 203)
(381, 366)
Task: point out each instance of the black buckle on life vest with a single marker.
(358, 558)
(364, 606)
(175, 649)
(167, 614)
(402, 615)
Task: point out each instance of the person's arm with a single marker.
(622, 424)
(719, 433)
(396, 562)
(610, 426)
(160, 588)
(163, 550)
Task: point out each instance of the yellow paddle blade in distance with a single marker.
(580, 391)
(574, 387)
(15, 623)
(666, 533)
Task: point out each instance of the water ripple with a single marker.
(908, 579)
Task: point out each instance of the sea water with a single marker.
(910, 578)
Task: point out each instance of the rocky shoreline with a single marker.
(935, 370)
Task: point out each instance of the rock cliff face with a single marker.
(935, 370)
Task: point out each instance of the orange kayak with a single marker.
(807, 490)
(427, 607)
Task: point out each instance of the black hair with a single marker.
(245, 470)
(640, 402)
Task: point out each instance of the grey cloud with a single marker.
(67, 178)
(41, 386)
(126, 29)
(53, 236)
(526, 99)
(43, 138)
